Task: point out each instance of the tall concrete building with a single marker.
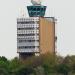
(35, 34)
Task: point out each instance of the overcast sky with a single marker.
(62, 10)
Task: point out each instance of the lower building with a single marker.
(35, 36)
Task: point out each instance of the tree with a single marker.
(48, 63)
(14, 65)
(4, 70)
(63, 69)
(25, 71)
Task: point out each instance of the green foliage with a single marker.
(40, 65)
(14, 64)
(63, 68)
(4, 70)
(3, 59)
(24, 71)
(48, 63)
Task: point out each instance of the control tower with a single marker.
(35, 34)
(36, 10)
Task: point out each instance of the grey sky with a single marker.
(62, 10)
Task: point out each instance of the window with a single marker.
(23, 47)
(28, 28)
(20, 41)
(26, 34)
(38, 9)
(34, 9)
(26, 22)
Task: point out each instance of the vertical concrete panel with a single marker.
(47, 36)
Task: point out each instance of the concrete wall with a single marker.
(47, 36)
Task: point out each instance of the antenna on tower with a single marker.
(36, 2)
(22, 13)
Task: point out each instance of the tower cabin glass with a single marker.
(36, 11)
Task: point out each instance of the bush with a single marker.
(47, 64)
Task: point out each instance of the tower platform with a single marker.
(36, 11)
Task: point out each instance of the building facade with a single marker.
(35, 34)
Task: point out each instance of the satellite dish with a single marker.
(36, 2)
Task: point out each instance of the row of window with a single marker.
(27, 22)
(36, 9)
(27, 25)
(28, 37)
(27, 28)
(28, 19)
(36, 13)
(27, 31)
(20, 41)
(27, 34)
(23, 47)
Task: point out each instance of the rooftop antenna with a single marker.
(22, 13)
(36, 2)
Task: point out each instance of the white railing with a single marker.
(28, 44)
(28, 50)
(27, 31)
